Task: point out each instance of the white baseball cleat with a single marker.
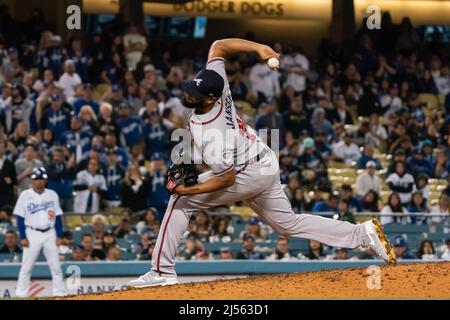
(379, 242)
(149, 280)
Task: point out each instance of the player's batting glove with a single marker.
(181, 174)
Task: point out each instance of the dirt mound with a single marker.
(421, 280)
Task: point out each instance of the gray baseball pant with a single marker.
(266, 197)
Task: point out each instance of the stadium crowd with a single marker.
(98, 112)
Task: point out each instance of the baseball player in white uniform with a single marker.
(39, 220)
(248, 170)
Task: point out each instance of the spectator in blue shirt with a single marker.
(77, 141)
(111, 144)
(114, 174)
(427, 152)
(248, 252)
(347, 194)
(131, 127)
(418, 205)
(418, 164)
(155, 132)
(367, 156)
(158, 197)
(401, 248)
(330, 205)
(86, 99)
(56, 118)
(54, 56)
(80, 58)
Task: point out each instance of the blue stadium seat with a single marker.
(124, 244)
(128, 256)
(6, 257)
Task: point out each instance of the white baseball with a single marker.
(273, 63)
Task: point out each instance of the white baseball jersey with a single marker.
(38, 210)
(220, 136)
(299, 61)
(82, 196)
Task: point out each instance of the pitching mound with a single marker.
(422, 280)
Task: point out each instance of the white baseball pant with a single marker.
(45, 241)
(264, 192)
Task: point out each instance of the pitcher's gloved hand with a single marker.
(181, 174)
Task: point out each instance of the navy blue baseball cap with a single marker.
(399, 241)
(157, 156)
(39, 173)
(55, 97)
(206, 84)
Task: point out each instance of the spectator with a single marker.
(369, 202)
(344, 211)
(368, 181)
(401, 182)
(264, 82)
(282, 252)
(6, 218)
(401, 248)
(17, 108)
(346, 150)
(442, 209)
(393, 207)
(107, 123)
(90, 186)
(270, 118)
(253, 228)
(114, 175)
(111, 145)
(418, 164)
(341, 113)
(295, 119)
(311, 158)
(201, 225)
(366, 157)
(134, 44)
(368, 254)
(79, 254)
(131, 127)
(421, 186)
(86, 99)
(123, 229)
(417, 206)
(66, 245)
(298, 202)
(426, 250)
(25, 166)
(10, 245)
(77, 141)
(192, 247)
(390, 102)
(155, 131)
(340, 254)
(149, 222)
(296, 67)
(113, 254)
(221, 231)
(225, 254)
(248, 252)
(109, 241)
(347, 194)
(330, 205)
(90, 252)
(134, 189)
(446, 254)
(60, 177)
(57, 117)
(320, 124)
(7, 178)
(316, 251)
(69, 80)
(98, 224)
(88, 119)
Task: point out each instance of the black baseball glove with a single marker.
(181, 174)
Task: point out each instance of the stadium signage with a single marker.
(254, 8)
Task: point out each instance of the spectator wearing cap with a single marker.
(134, 189)
(295, 119)
(322, 146)
(353, 202)
(441, 208)
(158, 196)
(79, 254)
(131, 127)
(17, 108)
(341, 113)
(8, 178)
(264, 82)
(10, 245)
(399, 155)
(248, 252)
(310, 158)
(368, 180)
(24, 166)
(340, 254)
(320, 124)
(401, 248)
(109, 241)
(328, 206)
(114, 174)
(225, 254)
(78, 142)
(417, 163)
(427, 152)
(61, 174)
(367, 156)
(282, 252)
(295, 65)
(66, 245)
(69, 80)
(346, 150)
(90, 186)
(155, 131)
(111, 147)
(86, 99)
(57, 117)
(270, 118)
(401, 182)
(446, 254)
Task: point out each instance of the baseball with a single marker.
(273, 63)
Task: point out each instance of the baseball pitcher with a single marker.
(247, 169)
(39, 220)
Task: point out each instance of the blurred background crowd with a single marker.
(364, 128)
